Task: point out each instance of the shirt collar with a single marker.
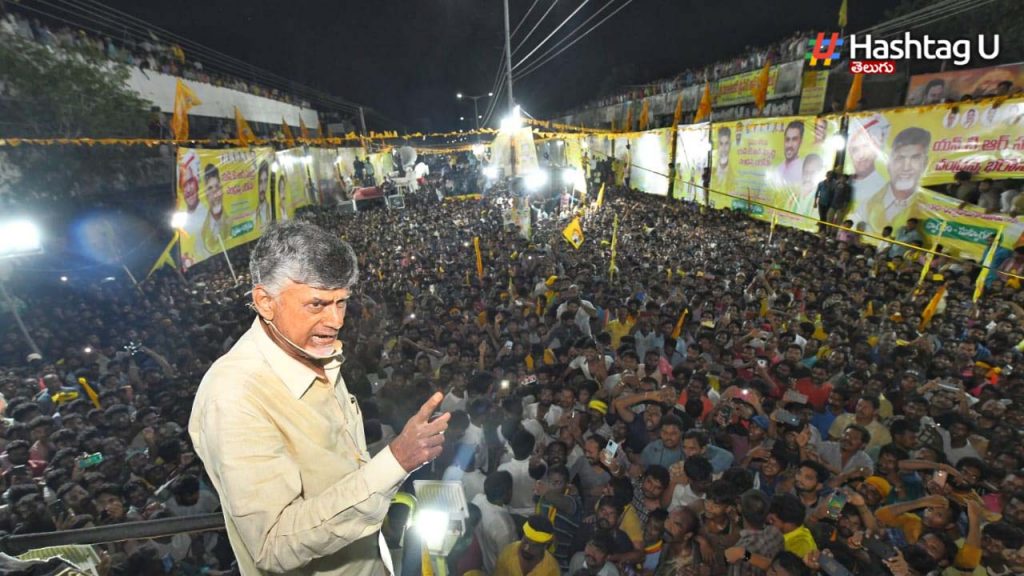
(295, 375)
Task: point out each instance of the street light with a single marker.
(476, 108)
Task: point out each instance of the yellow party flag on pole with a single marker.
(645, 112)
(677, 116)
(615, 243)
(289, 138)
(761, 87)
(600, 196)
(573, 233)
(979, 286)
(303, 131)
(704, 108)
(678, 330)
(931, 256)
(184, 100)
(870, 310)
(479, 258)
(93, 396)
(853, 97)
(246, 137)
(842, 14)
(426, 565)
(771, 231)
(629, 118)
(929, 310)
(165, 259)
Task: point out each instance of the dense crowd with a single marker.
(719, 405)
(143, 52)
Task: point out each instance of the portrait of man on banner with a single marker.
(865, 142)
(723, 144)
(215, 227)
(263, 212)
(908, 160)
(791, 170)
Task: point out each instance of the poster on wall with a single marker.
(649, 154)
(768, 163)
(692, 147)
(294, 186)
(225, 194)
(893, 154)
(812, 93)
(937, 88)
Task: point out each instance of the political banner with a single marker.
(892, 154)
(968, 231)
(294, 186)
(225, 194)
(783, 80)
(576, 161)
(776, 162)
(326, 171)
(937, 88)
(812, 92)
(649, 155)
(692, 148)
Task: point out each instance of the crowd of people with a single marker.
(144, 53)
(716, 405)
(751, 58)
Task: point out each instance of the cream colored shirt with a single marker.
(286, 452)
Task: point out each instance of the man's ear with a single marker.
(263, 302)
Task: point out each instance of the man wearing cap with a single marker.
(279, 433)
(530, 555)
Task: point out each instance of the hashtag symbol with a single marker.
(824, 49)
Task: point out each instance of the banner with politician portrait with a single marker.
(294, 186)
(692, 148)
(648, 155)
(893, 154)
(226, 197)
(773, 162)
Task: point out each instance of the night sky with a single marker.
(408, 58)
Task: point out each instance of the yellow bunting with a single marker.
(979, 285)
(479, 258)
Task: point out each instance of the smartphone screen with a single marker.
(836, 504)
(612, 448)
(941, 477)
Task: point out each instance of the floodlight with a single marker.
(836, 142)
(536, 180)
(441, 514)
(20, 238)
(512, 121)
(179, 219)
(490, 172)
(63, 278)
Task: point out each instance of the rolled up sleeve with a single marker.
(262, 491)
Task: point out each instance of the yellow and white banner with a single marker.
(294, 186)
(773, 161)
(692, 148)
(649, 159)
(226, 195)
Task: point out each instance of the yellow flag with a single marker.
(549, 357)
(303, 131)
(165, 259)
(929, 310)
(677, 117)
(853, 97)
(93, 396)
(842, 14)
(573, 233)
(761, 87)
(184, 100)
(479, 258)
(704, 108)
(245, 134)
(615, 244)
(289, 138)
(678, 330)
(629, 118)
(819, 329)
(426, 565)
(600, 196)
(529, 363)
(870, 310)
(931, 256)
(979, 286)
(645, 112)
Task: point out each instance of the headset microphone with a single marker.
(300, 349)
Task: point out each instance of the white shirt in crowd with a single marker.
(522, 487)
(495, 531)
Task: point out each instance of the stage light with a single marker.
(536, 180)
(20, 238)
(512, 121)
(490, 172)
(836, 142)
(179, 219)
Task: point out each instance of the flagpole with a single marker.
(17, 318)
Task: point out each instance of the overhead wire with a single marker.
(523, 19)
(535, 26)
(569, 36)
(537, 65)
(963, 8)
(552, 33)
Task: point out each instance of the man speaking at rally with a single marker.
(280, 435)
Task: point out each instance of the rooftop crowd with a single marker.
(799, 419)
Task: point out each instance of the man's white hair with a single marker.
(303, 253)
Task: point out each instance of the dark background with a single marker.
(408, 58)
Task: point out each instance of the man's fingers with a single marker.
(429, 407)
(440, 424)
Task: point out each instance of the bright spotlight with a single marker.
(19, 238)
(179, 219)
(489, 94)
(275, 166)
(462, 117)
(536, 180)
(307, 160)
(568, 175)
(87, 350)
(63, 278)
(458, 95)
(432, 526)
(490, 172)
(836, 142)
(479, 149)
(512, 121)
